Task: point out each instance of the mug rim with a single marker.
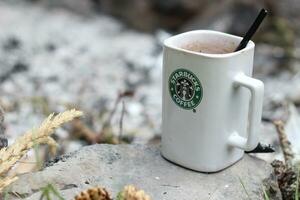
(169, 43)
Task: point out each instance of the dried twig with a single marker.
(284, 143)
(107, 123)
(121, 121)
(113, 111)
(92, 137)
(84, 132)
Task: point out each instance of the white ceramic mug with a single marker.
(211, 105)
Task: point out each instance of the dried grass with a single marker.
(41, 135)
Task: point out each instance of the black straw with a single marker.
(262, 14)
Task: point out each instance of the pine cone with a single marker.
(96, 193)
(131, 193)
(287, 179)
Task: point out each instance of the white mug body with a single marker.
(202, 107)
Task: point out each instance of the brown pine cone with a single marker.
(96, 193)
(287, 179)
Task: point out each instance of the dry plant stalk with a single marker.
(41, 135)
(81, 130)
(4, 182)
(97, 193)
(284, 143)
(102, 136)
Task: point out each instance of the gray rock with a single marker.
(114, 166)
(85, 65)
(84, 7)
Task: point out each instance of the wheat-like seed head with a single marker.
(10, 155)
(7, 181)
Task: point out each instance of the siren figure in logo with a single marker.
(184, 89)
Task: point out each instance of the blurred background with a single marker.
(104, 57)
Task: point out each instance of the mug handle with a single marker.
(256, 88)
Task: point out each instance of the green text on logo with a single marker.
(185, 89)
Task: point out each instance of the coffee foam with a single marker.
(210, 48)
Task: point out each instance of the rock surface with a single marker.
(114, 166)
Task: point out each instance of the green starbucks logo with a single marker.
(185, 89)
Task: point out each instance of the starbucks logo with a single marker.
(185, 89)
